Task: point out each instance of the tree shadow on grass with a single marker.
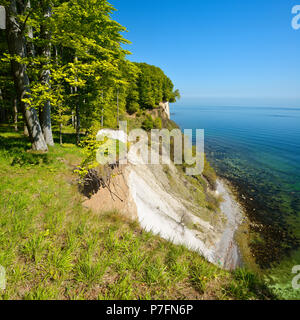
(16, 145)
(69, 138)
(13, 143)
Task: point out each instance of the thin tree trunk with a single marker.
(30, 45)
(77, 110)
(73, 120)
(60, 134)
(73, 116)
(46, 124)
(77, 123)
(77, 118)
(46, 113)
(15, 114)
(16, 44)
(3, 113)
(26, 133)
(102, 113)
(1, 106)
(118, 111)
(31, 53)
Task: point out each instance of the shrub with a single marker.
(148, 124)
(210, 174)
(158, 123)
(133, 107)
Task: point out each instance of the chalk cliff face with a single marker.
(166, 211)
(165, 107)
(160, 197)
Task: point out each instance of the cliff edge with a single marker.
(168, 203)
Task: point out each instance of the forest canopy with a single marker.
(63, 64)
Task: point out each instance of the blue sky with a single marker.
(218, 52)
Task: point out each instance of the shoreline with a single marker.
(239, 253)
(166, 213)
(270, 240)
(228, 252)
(242, 232)
(156, 217)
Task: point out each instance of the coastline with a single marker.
(159, 208)
(242, 232)
(228, 252)
(236, 251)
(161, 217)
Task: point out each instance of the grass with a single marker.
(54, 248)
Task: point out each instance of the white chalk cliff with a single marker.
(160, 195)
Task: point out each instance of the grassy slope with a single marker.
(53, 248)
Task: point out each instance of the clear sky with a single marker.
(218, 52)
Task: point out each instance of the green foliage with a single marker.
(76, 63)
(86, 67)
(210, 174)
(33, 159)
(132, 107)
(91, 146)
(158, 123)
(148, 123)
(152, 86)
(247, 285)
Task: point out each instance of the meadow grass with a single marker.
(53, 248)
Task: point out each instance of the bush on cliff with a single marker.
(210, 174)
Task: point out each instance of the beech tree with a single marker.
(17, 49)
(68, 66)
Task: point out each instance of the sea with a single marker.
(257, 149)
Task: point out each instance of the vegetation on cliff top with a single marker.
(75, 69)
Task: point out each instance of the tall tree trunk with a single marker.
(73, 117)
(60, 133)
(46, 124)
(29, 45)
(15, 114)
(77, 110)
(1, 106)
(77, 123)
(102, 111)
(16, 45)
(73, 120)
(31, 53)
(26, 133)
(118, 111)
(46, 113)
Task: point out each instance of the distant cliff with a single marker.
(165, 107)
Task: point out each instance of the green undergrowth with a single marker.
(280, 278)
(53, 248)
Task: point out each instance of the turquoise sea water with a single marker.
(258, 150)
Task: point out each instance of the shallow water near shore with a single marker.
(258, 150)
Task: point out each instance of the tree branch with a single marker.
(25, 21)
